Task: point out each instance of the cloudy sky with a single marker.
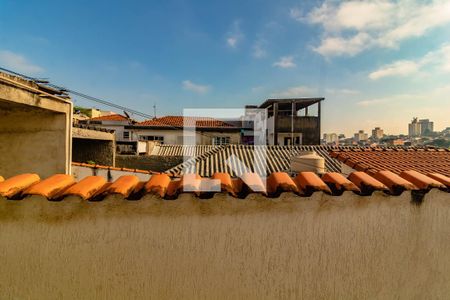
(377, 63)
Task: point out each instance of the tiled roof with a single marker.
(115, 117)
(181, 121)
(396, 160)
(304, 184)
(278, 159)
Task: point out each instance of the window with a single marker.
(152, 138)
(221, 140)
(126, 135)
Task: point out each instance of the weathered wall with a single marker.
(32, 140)
(148, 162)
(35, 129)
(347, 247)
(99, 151)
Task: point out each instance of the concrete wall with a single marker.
(35, 129)
(148, 162)
(102, 152)
(323, 247)
(32, 140)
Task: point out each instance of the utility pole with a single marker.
(154, 111)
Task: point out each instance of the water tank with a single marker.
(308, 161)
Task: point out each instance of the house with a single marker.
(171, 129)
(294, 121)
(35, 127)
(114, 122)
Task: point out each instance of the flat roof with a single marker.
(300, 102)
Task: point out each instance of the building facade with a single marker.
(295, 121)
(179, 130)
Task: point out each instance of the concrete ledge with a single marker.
(321, 247)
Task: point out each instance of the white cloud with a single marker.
(439, 59)
(347, 92)
(336, 46)
(259, 50)
(351, 27)
(234, 35)
(398, 68)
(18, 63)
(285, 62)
(294, 92)
(194, 87)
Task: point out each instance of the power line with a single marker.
(45, 82)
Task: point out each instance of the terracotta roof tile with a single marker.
(226, 183)
(420, 180)
(395, 183)
(124, 185)
(15, 185)
(396, 160)
(254, 182)
(338, 183)
(280, 182)
(2, 179)
(441, 178)
(114, 117)
(304, 184)
(309, 182)
(181, 121)
(366, 183)
(85, 188)
(158, 184)
(51, 186)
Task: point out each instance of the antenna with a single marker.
(154, 111)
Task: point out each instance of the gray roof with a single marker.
(278, 159)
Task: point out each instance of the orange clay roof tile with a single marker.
(338, 183)
(124, 185)
(51, 186)
(420, 180)
(2, 179)
(158, 184)
(396, 160)
(254, 182)
(95, 188)
(395, 183)
(14, 185)
(309, 182)
(441, 178)
(226, 183)
(365, 182)
(85, 188)
(113, 117)
(182, 121)
(280, 182)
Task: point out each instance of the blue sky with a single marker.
(378, 63)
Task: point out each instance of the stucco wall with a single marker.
(347, 247)
(99, 151)
(148, 162)
(35, 129)
(32, 140)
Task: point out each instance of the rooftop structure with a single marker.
(292, 121)
(35, 127)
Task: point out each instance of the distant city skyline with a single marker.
(377, 63)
